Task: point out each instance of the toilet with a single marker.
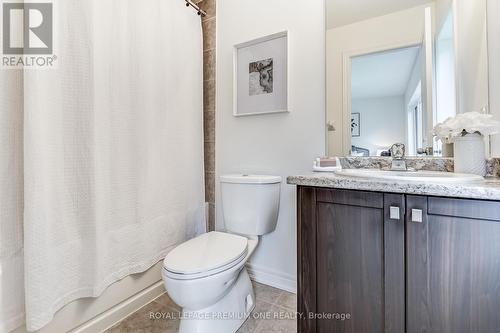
(206, 275)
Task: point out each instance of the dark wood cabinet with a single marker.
(453, 260)
(367, 264)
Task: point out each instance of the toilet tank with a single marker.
(250, 203)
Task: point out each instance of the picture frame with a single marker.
(355, 124)
(260, 76)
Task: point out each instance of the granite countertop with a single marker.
(488, 189)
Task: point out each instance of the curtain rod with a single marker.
(196, 7)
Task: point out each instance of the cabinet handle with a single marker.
(417, 215)
(394, 213)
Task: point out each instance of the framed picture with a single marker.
(261, 76)
(355, 124)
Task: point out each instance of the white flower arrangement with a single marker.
(467, 123)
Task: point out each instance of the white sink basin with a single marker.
(420, 176)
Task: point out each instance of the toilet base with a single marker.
(225, 316)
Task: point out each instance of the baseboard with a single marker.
(122, 310)
(272, 278)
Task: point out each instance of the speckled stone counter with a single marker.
(418, 163)
(445, 164)
(488, 189)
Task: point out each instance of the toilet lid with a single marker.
(206, 252)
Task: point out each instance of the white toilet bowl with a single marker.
(206, 275)
(204, 294)
(197, 290)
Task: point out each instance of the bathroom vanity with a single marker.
(396, 256)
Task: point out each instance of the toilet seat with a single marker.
(205, 255)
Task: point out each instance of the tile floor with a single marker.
(274, 312)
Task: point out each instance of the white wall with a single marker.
(382, 122)
(471, 48)
(471, 55)
(445, 79)
(281, 144)
(401, 28)
(494, 67)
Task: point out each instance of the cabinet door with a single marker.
(351, 262)
(453, 265)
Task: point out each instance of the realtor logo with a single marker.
(28, 35)
(27, 28)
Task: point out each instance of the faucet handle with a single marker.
(398, 150)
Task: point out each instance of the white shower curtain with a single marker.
(112, 163)
(11, 200)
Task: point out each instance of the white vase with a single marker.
(470, 155)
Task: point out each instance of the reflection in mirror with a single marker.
(397, 68)
(386, 98)
(445, 71)
(445, 77)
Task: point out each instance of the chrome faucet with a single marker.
(398, 157)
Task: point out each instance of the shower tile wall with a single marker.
(208, 25)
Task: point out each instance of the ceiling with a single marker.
(342, 12)
(382, 74)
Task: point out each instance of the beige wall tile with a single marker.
(209, 65)
(210, 187)
(209, 34)
(210, 157)
(209, 95)
(209, 7)
(209, 44)
(209, 129)
(211, 217)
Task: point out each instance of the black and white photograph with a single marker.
(260, 80)
(355, 125)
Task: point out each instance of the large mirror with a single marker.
(397, 68)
